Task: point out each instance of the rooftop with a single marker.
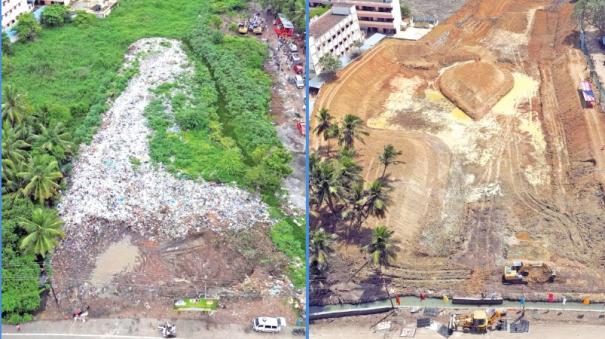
(320, 26)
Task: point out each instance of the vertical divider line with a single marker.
(307, 128)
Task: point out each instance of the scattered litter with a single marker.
(383, 326)
(408, 332)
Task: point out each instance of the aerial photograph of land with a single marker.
(457, 168)
(153, 168)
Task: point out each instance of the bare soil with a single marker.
(531, 166)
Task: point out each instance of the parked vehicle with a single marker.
(296, 59)
(300, 82)
(241, 28)
(293, 48)
(268, 324)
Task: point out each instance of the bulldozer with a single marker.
(476, 322)
(523, 273)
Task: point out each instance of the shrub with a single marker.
(190, 119)
(55, 16)
(27, 27)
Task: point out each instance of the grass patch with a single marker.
(288, 235)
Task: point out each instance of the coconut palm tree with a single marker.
(40, 177)
(54, 140)
(14, 106)
(376, 200)
(11, 182)
(382, 250)
(325, 184)
(14, 147)
(320, 249)
(349, 172)
(44, 229)
(388, 157)
(324, 122)
(351, 130)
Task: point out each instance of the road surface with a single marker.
(132, 329)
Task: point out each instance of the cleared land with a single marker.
(525, 181)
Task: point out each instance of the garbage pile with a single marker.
(113, 178)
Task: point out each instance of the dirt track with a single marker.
(523, 182)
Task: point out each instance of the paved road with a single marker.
(132, 329)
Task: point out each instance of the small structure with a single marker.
(424, 21)
(587, 94)
(283, 26)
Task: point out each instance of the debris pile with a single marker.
(113, 179)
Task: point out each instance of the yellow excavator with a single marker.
(242, 28)
(523, 272)
(476, 322)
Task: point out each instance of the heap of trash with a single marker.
(114, 180)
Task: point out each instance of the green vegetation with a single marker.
(406, 12)
(57, 83)
(318, 11)
(288, 235)
(55, 16)
(27, 28)
(591, 12)
(330, 65)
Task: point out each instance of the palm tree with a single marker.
(54, 140)
(388, 157)
(348, 170)
(382, 250)
(14, 106)
(320, 248)
(325, 185)
(11, 182)
(13, 146)
(376, 200)
(351, 130)
(324, 122)
(43, 230)
(41, 176)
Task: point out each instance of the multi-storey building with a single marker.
(382, 16)
(333, 33)
(11, 9)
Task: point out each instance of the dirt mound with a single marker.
(475, 87)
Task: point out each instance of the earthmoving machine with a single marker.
(258, 30)
(522, 273)
(476, 322)
(241, 28)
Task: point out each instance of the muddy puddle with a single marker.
(119, 257)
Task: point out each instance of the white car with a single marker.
(268, 324)
(300, 82)
(293, 47)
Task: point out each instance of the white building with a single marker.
(11, 9)
(381, 16)
(333, 33)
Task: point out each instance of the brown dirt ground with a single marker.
(475, 87)
(445, 236)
